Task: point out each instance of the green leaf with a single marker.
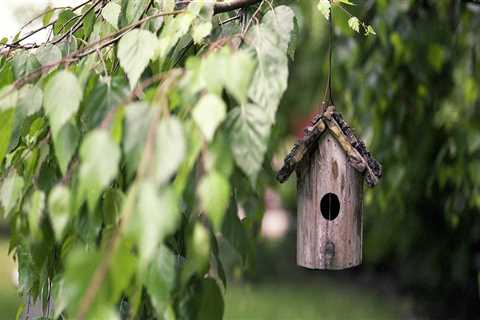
(160, 279)
(34, 208)
(234, 231)
(170, 148)
(8, 97)
(270, 40)
(47, 17)
(112, 206)
(65, 143)
(194, 144)
(158, 217)
(59, 209)
(209, 302)
(214, 195)
(135, 50)
(23, 64)
(99, 158)
(202, 25)
(11, 192)
(29, 101)
(79, 268)
(61, 99)
(6, 73)
(138, 117)
(66, 19)
(324, 7)
(48, 54)
(249, 128)
(370, 30)
(354, 24)
(88, 22)
(347, 2)
(239, 74)
(209, 113)
(200, 31)
(132, 11)
(172, 31)
(198, 249)
(6, 119)
(100, 99)
(111, 13)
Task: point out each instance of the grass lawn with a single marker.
(319, 301)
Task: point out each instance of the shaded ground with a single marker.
(321, 300)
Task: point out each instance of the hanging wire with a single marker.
(328, 90)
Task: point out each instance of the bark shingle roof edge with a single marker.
(358, 155)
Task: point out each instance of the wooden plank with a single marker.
(324, 244)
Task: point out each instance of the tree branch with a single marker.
(232, 5)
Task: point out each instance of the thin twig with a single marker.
(31, 33)
(77, 24)
(93, 47)
(41, 15)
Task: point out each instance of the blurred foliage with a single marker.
(412, 93)
(124, 139)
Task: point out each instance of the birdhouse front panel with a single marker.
(329, 208)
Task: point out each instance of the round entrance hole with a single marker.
(330, 206)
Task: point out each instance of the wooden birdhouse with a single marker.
(331, 163)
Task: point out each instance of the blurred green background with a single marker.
(412, 93)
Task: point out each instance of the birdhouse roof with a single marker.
(332, 121)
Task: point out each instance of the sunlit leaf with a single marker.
(214, 195)
(137, 123)
(370, 30)
(10, 192)
(6, 119)
(239, 74)
(354, 24)
(96, 172)
(202, 25)
(59, 208)
(47, 16)
(324, 7)
(209, 113)
(61, 99)
(35, 207)
(158, 217)
(135, 50)
(111, 13)
(170, 148)
(65, 144)
(172, 31)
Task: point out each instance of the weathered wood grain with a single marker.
(324, 244)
